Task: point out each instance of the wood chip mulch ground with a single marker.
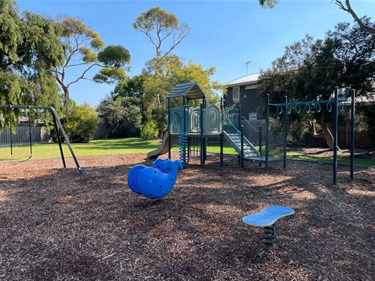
(59, 225)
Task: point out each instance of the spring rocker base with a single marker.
(267, 219)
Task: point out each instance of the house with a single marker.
(243, 91)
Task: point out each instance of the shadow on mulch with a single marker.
(58, 225)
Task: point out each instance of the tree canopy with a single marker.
(85, 50)
(167, 75)
(310, 69)
(25, 66)
(268, 3)
(161, 27)
(347, 7)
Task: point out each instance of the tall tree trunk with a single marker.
(66, 99)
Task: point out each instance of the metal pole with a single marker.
(239, 117)
(222, 149)
(66, 140)
(10, 129)
(285, 128)
(260, 140)
(201, 135)
(221, 136)
(352, 134)
(59, 140)
(169, 129)
(31, 144)
(267, 126)
(335, 129)
(242, 152)
(260, 144)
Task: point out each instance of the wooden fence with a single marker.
(22, 136)
(361, 139)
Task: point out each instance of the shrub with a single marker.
(150, 130)
(82, 122)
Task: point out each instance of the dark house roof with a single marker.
(189, 90)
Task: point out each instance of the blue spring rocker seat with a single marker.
(154, 182)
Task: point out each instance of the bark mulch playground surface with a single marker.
(59, 225)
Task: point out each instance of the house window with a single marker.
(236, 93)
(250, 87)
(253, 116)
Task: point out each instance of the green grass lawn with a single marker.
(135, 145)
(93, 148)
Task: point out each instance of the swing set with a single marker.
(57, 125)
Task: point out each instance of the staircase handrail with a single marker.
(251, 126)
(231, 124)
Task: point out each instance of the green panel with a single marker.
(175, 126)
(195, 124)
(212, 124)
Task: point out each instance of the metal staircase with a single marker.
(233, 135)
(234, 139)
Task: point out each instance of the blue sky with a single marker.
(224, 34)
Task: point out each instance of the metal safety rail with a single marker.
(233, 136)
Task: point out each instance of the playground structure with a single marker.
(154, 182)
(191, 123)
(57, 126)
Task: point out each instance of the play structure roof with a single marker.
(189, 90)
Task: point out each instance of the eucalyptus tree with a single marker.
(85, 51)
(343, 5)
(161, 28)
(166, 69)
(348, 8)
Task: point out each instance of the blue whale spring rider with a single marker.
(154, 182)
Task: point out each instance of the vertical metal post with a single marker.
(335, 129)
(10, 129)
(239, 117)
(260, 144)
(267, 126)
(222, 149)
(169, 129)
(352, 124)
(30, 139)
(242, 146)
(260, 140)
(221, 136)
(285, 128)
(201, 135)
(59, 140)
